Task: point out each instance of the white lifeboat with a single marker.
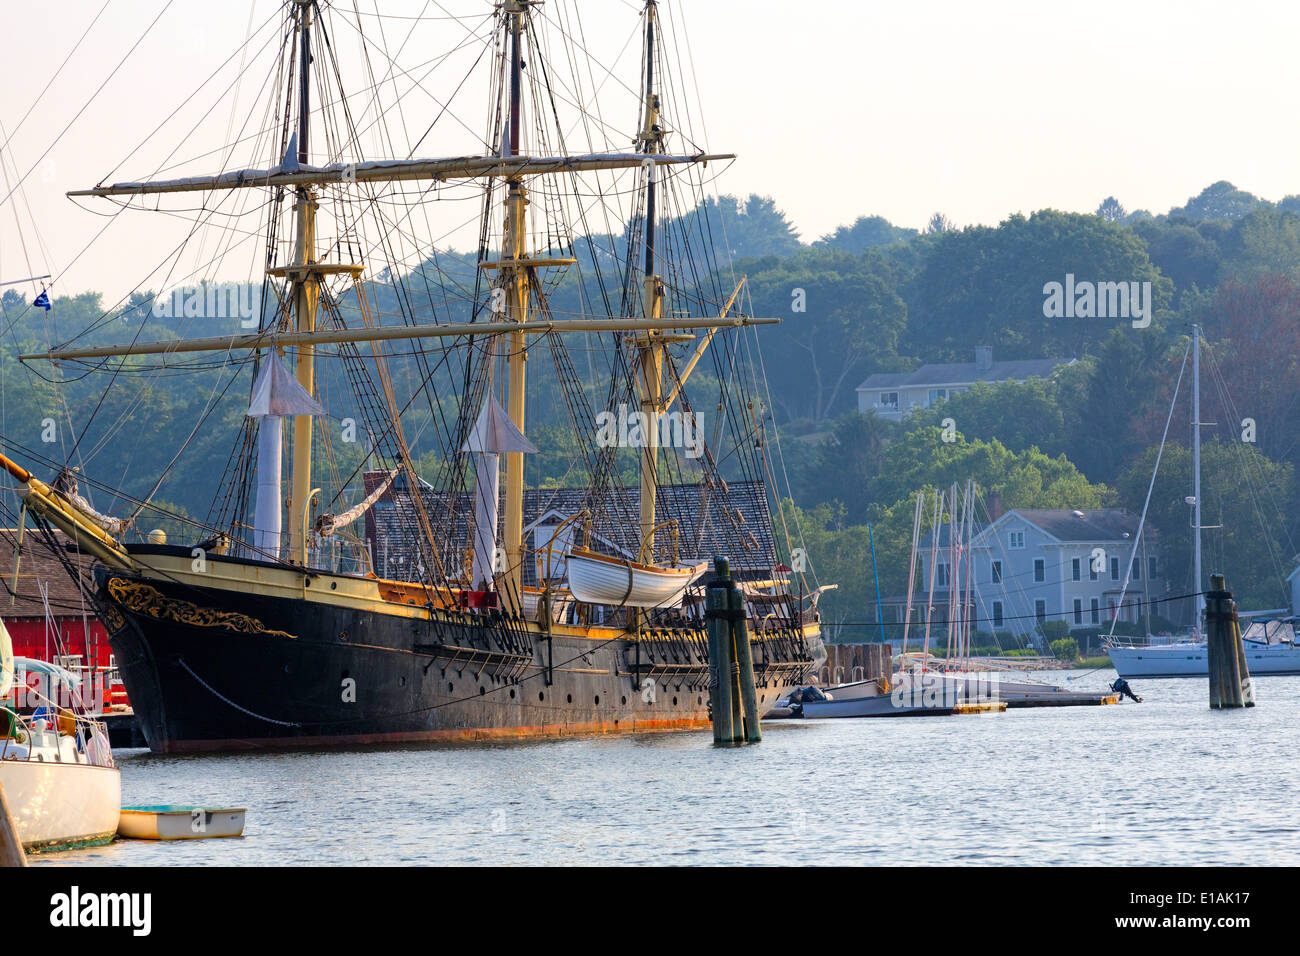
(602, 579)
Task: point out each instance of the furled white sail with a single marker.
(493, 434)
(276, 394)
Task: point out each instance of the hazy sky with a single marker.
(836, 108)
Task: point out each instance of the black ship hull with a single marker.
(220, 668)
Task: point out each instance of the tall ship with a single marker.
(517, 606)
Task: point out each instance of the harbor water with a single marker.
(1167, 781)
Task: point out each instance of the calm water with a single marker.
(1166, 782)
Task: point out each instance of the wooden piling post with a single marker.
(1230, 683)
(716, 607)
(744, 658)
(11, 848)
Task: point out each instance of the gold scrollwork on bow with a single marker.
(146, 600)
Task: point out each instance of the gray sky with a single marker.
(837, 109)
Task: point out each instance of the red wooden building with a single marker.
(69, 634)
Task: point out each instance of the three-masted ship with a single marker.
(254, 635)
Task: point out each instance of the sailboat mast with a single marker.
(1196, 475)
(650, 345)
(514, 276)
(305, 299)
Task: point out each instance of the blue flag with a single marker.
(42, 301)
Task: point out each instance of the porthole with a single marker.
(623, 700)
(450, 687)
(481, 691)
(674, 701)
(512, 693)
(541, 695)
(597, 700)
(569, 699)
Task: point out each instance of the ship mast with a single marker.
(514, 279)
(1196, 477)
(306, 296)
(650, 344)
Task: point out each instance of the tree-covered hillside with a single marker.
(868, 297)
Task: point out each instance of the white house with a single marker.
(892, 394)
(1032, 565)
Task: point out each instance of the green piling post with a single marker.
(744, 664)
(1230, 683)
(720, 663)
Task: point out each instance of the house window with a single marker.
(1093, 613)
(1114, 569)
(1078, 611)
(889, 399)
(1137, 570)
(1092, 571)
(997, 613)
(938, 395)
(1151, 568)
(941, 575)
(1040, 570)
(996, 568)
(1074, 569)
(1016, 540)
(1040, 611)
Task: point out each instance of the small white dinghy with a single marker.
(602, 579)
(179, 823)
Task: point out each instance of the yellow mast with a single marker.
(514, 278)
(306, 295)
(650, 345)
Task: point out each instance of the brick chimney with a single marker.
(983, 358)
(995, 505)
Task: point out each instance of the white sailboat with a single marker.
(1270, 646)
(56, 767)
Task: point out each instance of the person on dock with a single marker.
(1122, 688)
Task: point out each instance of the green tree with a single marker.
(1220, 200)
(866, 232)
(1249, 535)
(985, 286)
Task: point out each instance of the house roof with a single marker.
(964, 373)
(38, 565)
(1102, 524)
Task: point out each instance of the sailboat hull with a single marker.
(1192, 660)
(222, 668)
